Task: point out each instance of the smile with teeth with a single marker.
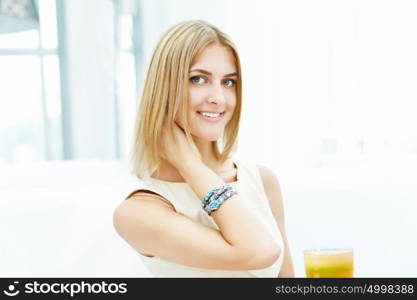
(210, 116)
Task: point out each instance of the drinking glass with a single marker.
(329, 263)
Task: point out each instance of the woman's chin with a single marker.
(209, 137)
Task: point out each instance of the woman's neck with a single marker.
(168, 172)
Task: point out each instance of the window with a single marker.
(30, 93)
(127, 70)
(39, 121)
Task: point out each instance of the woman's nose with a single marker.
(217, 95)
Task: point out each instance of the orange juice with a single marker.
(330, 263)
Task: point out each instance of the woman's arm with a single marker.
(238, 224)
(152, 226)
(273, 192)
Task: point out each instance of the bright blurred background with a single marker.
(329, 104)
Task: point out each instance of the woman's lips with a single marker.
(210, 119)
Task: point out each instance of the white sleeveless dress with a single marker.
(249, 185)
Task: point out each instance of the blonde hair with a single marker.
(166, 88)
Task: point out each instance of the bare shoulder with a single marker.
(273, 192)
(140, 208)
(140, 204)
(144, 195)
(274, 195)
(136, 217)
(269, 179)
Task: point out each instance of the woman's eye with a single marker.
(229, 82)
(197, 79)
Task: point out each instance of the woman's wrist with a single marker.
(200, 177)
(188, 165)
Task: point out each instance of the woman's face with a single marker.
(212, 92)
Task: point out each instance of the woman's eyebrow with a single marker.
(209, 73)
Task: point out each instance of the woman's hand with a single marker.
(176, 148)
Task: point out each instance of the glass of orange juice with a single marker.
(329, 263)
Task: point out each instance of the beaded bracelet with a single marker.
(215, 193)
(216, 197)
(215, 203)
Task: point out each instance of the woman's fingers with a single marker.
(171, 140)
(176, 146)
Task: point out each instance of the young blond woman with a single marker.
(186, 131)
